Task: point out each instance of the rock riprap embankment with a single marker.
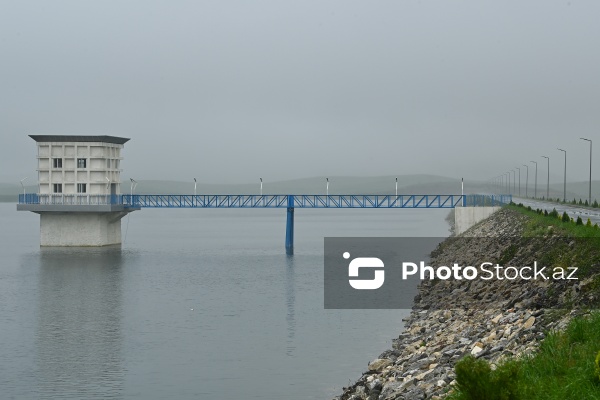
(487, 319)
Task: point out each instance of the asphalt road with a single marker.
(573, 210)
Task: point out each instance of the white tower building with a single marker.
(79, 190)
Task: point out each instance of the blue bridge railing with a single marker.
(269, 201)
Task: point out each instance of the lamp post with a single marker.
(195, 182)
(519, 180)
(590, 188)
(514, 180)
(565, 179)
(23, 186)
(526, 179)
(396, 186)
(133, 185)
(508, 173)
(260, 186)
(327, 186)
(535, 187)
(548, 181)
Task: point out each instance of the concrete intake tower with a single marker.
(79, 190)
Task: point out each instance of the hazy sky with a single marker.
(229, 91)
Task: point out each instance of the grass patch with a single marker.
(538, 223)
(567, 364)
(581, 249)
(565, 367)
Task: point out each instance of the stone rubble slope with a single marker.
(452, 319)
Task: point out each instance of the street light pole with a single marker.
(535, 187)
(526, 179)
(565, 181)
(514, 181)
(133, 185)
(396, 186)
(590, 188)
(327, 186)
(260, 186)
(548, 181)
(519, 180)
(508, 187)
(23, 186)
(195, 186)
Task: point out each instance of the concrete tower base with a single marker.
(80, 229)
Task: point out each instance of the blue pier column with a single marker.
(289, 228)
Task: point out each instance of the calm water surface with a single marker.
(194, 304)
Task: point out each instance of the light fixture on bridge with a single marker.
(133, 185)
(195, 182)
(396, 186)
(23, 186)
(327, 186)
(261, 186)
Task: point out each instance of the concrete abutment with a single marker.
(466, 217)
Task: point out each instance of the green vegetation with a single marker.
(476, 380)
(539, 223)
(581, 250)
(567, 366)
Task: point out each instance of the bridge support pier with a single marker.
(289, 228)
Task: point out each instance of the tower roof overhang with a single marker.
(79, 138)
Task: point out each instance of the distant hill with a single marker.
(9, 192)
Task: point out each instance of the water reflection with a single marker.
(79, 338)
(290, 304)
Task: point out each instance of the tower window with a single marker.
(57, 162)
(57, 188)
(81, 188)
(81, 163)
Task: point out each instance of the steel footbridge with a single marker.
(289, 202)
